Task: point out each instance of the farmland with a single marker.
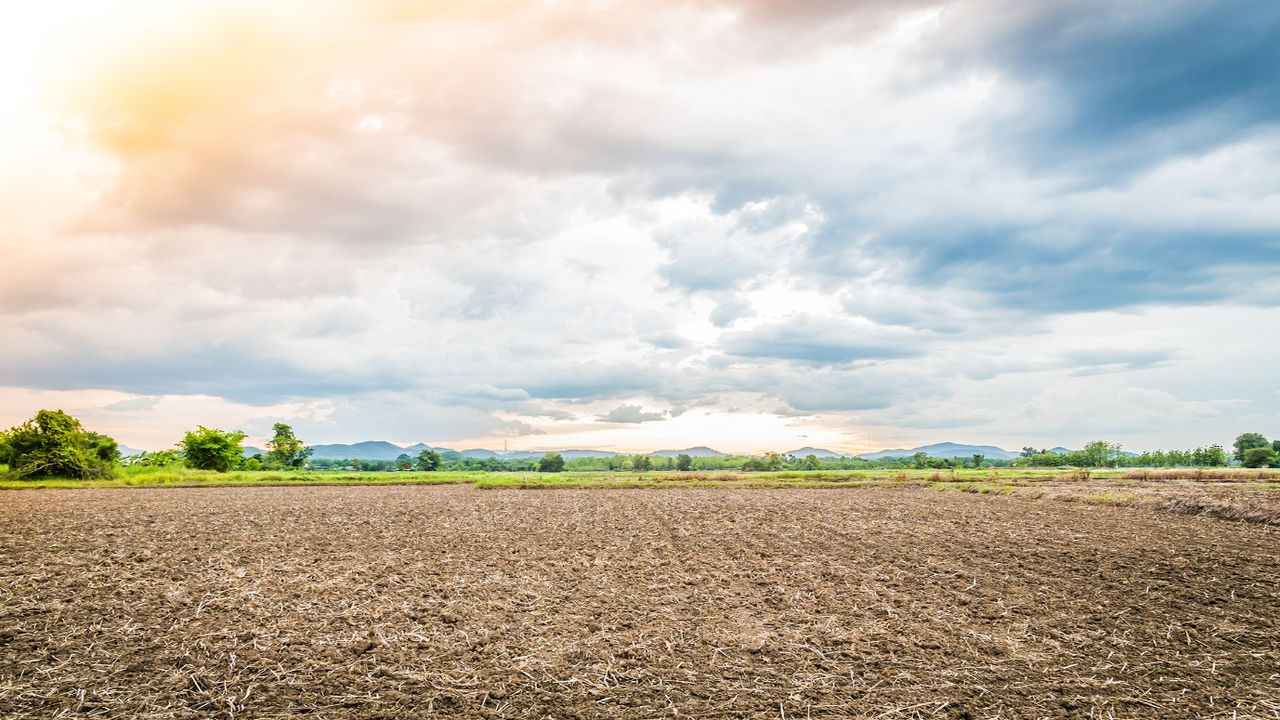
(1047, 596)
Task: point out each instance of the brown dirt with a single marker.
(454, 602)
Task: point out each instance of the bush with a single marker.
(162, 458)
(54, 444)
(551, 462)
(210, 449)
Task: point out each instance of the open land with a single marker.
(1139, 597)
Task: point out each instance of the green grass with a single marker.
(983, 480)
(183, 477)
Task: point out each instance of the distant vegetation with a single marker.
(55, 445)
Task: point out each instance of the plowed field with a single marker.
(457, 602)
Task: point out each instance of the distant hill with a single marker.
(816, 452)
(700, 451)
(126, 451)
(571, 454)
(251, 451)
(383, 450)
(947, 450)
(368, 450)
(1062, 451)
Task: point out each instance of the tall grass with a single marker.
(1228, 474)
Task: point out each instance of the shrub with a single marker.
(54, 444)
(1259, 457)
(210, 449)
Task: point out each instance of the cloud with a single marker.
(807, 340)
(1119, 86)
(489, 392)
(436, 223)
(667, 340)
(137, 404)
(730, 309)
(631, 414)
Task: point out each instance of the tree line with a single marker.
(54, 444)
(1250, 449)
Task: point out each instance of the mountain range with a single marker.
(383, 450)
(947, 450)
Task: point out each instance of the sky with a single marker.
(750, 224)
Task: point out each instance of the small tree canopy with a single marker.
(286, 449)
(551, 462)
(429, 460)
(1246, 442)
(1259, 457)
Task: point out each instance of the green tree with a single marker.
(286, 449)
(642, 463)
(1246, 442)
(976, 460)
(1099, 453)
(551, 462)
(684, 463)
(54, 444)
(429, 460)
(1257, 457)
(210, 449)
(810, 462)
